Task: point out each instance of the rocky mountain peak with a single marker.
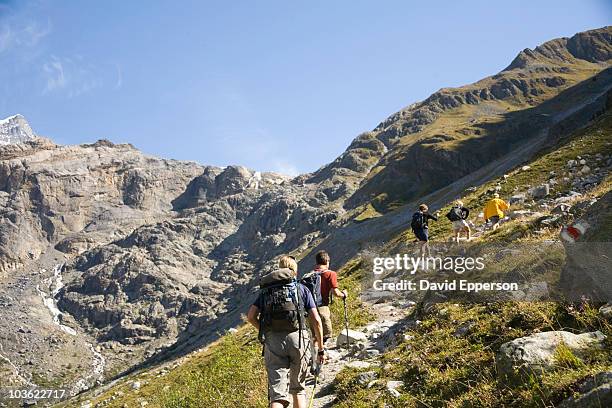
(592, 46)
(15, 129)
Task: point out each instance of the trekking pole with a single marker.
(314, 387)
(346, 322)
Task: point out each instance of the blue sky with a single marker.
(273, 85)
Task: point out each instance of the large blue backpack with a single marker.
(312, 281)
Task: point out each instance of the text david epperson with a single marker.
(409, 264)
(453, 285)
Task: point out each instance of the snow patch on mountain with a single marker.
(15, 129)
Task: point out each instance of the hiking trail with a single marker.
(380, 334)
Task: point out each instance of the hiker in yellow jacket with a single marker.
(494, 210)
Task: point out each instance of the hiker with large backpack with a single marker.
(420, 227)
(458, 215)
(279, 314)
(323, 284)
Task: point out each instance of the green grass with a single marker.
(368, 211)
(591, 140)
(231, 376)
(442, 370)
(350, 278)
(565, 358)
(228, 373)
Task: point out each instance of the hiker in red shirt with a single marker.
(329, 285)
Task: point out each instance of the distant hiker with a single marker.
(420, 227)
(278, 314)
(494, 210)
(323, 283)
(458, 215)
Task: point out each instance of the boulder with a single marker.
(352, 336)
(464, 328)
(571, 196)
(549, 220)
(519, 358)
(367, 377)
(517, 199)
(516, 214)
(333, 355)
(360, 365)
(595, 392)
(369, 353)
(606, 310)
(540, 191)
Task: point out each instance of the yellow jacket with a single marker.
(494, 207)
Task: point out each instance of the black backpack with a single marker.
(455, 214)
(312, 281)
(281, 306)
(418, 220)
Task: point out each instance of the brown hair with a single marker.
(423, 207)
(322, 258)
(287, 261)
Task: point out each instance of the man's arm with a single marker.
(252, 316)
(315, 320)
(340, 293)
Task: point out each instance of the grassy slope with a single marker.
(591, 140)
(487, 122)
(439, 369)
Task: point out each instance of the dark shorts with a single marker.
(422, 234)
(494, 219)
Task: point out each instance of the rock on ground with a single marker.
(595, 392)
(352, 336)
(537, 353)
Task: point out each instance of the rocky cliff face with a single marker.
(151, 249)
(156, 251)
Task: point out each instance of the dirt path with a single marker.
(388, 315)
